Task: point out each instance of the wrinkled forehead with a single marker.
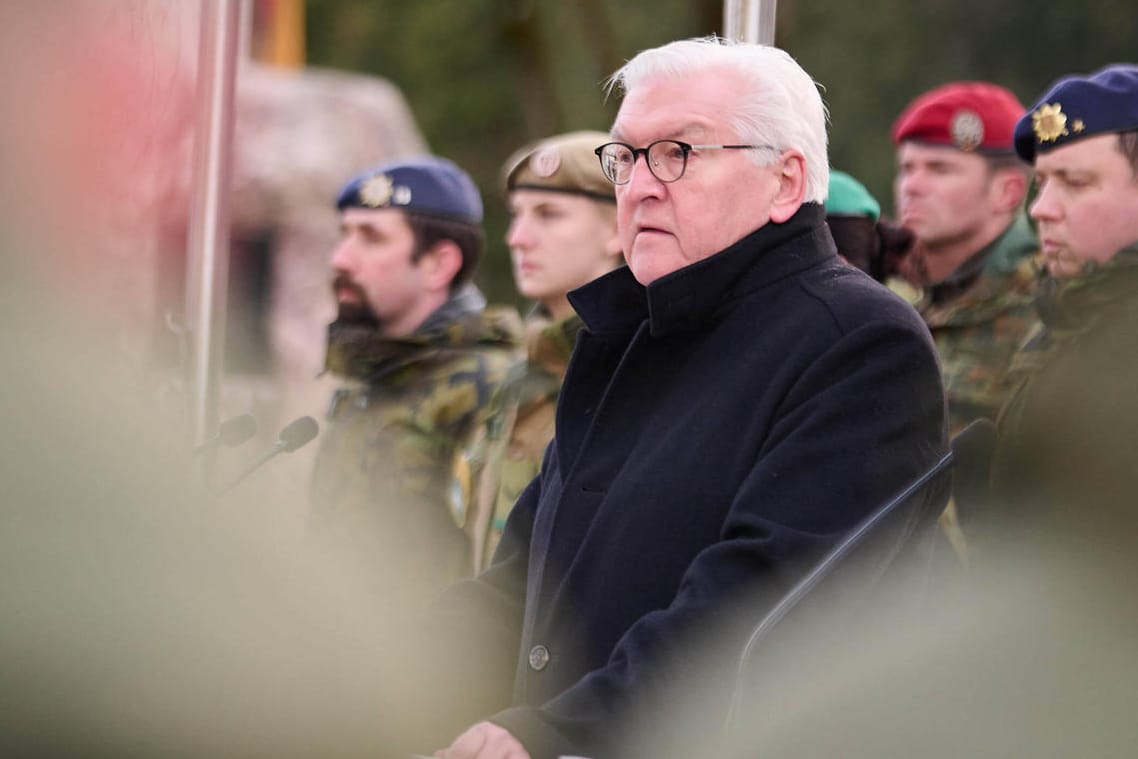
(640, 133)
(693, 107)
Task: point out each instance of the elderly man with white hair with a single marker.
(738, 401)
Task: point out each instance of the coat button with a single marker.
(538, 658)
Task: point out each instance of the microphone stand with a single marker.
(278, 447)
(296, 434)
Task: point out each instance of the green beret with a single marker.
(848, 197)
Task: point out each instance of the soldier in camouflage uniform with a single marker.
(971, 274)
(562, 234)
(1067, 436)
(420, 357)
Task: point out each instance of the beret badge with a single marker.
(967, 129)
(376, 192)
(545, 162)
(1049, 122)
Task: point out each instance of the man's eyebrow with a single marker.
(1066, 173)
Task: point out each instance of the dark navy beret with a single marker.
(1080, 106)
(424, 185)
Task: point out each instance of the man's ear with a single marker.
(791, 186)
(440, 264)
(1010, 188)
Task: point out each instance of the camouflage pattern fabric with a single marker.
(380, 487)
(979, 318)
(1067, 438)
(1069, 310)
(508, 453)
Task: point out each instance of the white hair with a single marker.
(782, 105)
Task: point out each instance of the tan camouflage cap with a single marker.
(563, 163)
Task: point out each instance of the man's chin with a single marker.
(356, 315)
(650, 263)
(1063, 267)
(644, 271)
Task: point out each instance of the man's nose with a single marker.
(910, 183)
(642, 182)
(343, 255)
(1044, 206)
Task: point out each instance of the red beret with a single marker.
(967, 115)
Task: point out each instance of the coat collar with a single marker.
(1074, 303)
(688, 298)
(360, 351)
(997, 260)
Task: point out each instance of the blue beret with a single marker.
(424, 185)
(1080, 106)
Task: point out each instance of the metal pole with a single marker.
(765, 22)
(208, 238)
(750, 20)
(731, 20)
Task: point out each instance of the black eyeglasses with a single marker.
(666, 159)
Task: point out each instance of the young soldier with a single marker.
(562, 235)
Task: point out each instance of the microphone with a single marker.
(297, 433)
(230, 433)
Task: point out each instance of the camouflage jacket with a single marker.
(393, 429)
(1067, 434)
(1068, 311)
(979, 317)
(508, 453)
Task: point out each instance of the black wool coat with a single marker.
(715, 430)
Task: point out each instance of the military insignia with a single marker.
(401, 196)
(1049, 122)
(1078, 125)
(545, 162)
(375, 192)
(967, 129)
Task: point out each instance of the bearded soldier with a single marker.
(420, 356)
